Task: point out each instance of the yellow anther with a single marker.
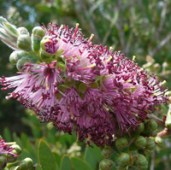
(91, 37)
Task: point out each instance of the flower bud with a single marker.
(141, 162)
(22, 61)
(124, 159)
(150, 127)
(36, 37)
(121, 143)
(16, 148)
(159, 141)
(107, 152)
(23, 30)
(26, 164)
(150, 144)
(24, 42)
(48, 45)
(38, 31)
(106, 164)
(140, 128)
(140, 142)
(16, 55)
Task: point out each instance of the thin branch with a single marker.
(161, 44)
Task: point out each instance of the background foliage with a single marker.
(137, 28)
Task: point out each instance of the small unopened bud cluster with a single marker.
(107, 163)
(9, 153)
(27, 48)
(132, 151)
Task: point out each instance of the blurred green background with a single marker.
(138, 28)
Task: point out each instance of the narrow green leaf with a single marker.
(79, 164)
(65, 164)
(45, 157)
(93, 156)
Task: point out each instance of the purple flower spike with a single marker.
(35, 88)
(86, 88)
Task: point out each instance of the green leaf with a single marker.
(65, 164)
(79, 164)
(7, 135)
(93, 156)
(45, 157)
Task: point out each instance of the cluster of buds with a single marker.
(132, 151)
(77, 85)
(9, 152)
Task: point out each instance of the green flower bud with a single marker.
(141, 162)
(121, 143)
(17, 149)
(107, 152)
(140, 142)
(36, 37)
(38, 31)
(24, 42)
(23, 30)
(140, 128)
(26, 164)
(150, 144)
(15, 56)
(159, 141)
(22, 61)
(152, 125)
(106, 164)
(124, 159)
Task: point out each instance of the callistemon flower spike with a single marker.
(84, 87)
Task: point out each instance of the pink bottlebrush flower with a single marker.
(117, 93)
(35, 87)
(5, 149)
